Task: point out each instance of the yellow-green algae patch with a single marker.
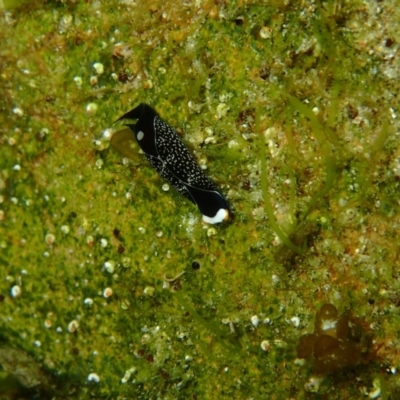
(292, 106)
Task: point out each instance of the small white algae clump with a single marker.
(16, 291)
(128, 374)
(73, 326)
(93, 377)
(99, 68)
(109, 266)
(49, 238)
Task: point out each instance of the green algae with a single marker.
(320, 78)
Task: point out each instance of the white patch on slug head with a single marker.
(221, 215)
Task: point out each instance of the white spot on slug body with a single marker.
(140, 135)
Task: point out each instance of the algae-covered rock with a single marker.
(24, 376)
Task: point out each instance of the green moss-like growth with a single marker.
(292, 107)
